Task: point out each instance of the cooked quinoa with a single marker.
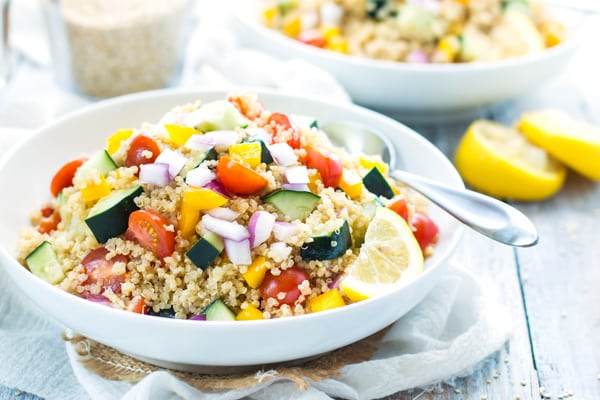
(135, 270)
(418, 31)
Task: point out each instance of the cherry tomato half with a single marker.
(149, 229)
(425, 230)
(137, 154)
(399, 207)
(287, 283)
(138, 306)
(328, 164)
(237, 178)
(64, 176)
(312, 39)
(100, 270)
(283, 124)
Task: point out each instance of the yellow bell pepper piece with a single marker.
(351, 184)
(113, 142)
(368, 164)
(338, 44)
(256, 271)
(313, 182)
(553, 32)
(249, 313)
(269, 15)
(326, 301)
(199, 198)
(94, 190)
(180, 134)
(248, 153)
(330, 31)
(188, 220)
(448, 46)
(292, 27)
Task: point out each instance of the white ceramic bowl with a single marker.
(405, 88)
(27, 170)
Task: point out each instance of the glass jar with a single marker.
(105, 48)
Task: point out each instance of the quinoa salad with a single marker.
(418, 31)
(219, 211)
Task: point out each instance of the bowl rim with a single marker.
(197, 93)
(571, 43)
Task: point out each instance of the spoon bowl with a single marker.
(486, 215)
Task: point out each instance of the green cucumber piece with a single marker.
(42, 262)
(376, 183)
(328, 247)
(163, 313)
(293, 204)
(110, 215)
(218, 311)
(205, 250)
(219, 115)
(100, 161)
(265, 154)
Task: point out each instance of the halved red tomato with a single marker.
(237, 178)
(425, 230)
(283, 124)
(64, 176)
(328, 164)
(100, 270)
(283, 287)
(142, 150)
(400, 207)
(151, 231)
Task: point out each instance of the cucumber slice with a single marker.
(110, 215)
(328, 247)
(100, 161)
(42, 262)
(205, 250)
(164, 313)
(218, 311)
(293, 204)
(376, 183)
(218, 115)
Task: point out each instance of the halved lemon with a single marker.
(576, 143)
(389, 255)
(498, 160)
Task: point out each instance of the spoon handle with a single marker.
(486, 215)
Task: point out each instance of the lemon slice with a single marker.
(576, 143)
(498, 160)
(389, 255)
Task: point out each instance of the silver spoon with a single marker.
(486, 215)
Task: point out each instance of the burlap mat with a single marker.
(111, 364)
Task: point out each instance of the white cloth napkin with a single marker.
(457, 326)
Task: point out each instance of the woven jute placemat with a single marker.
(111, 364)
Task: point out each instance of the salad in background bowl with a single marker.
(419, 56)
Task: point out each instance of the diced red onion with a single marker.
(225, 137)
(297, 174)
(261, 134)
(199, 317)
(331, 14)
(335, 282)
(199, 142)
(296, 187)
(284, 230)
(175, 159)
(417, 57)
(223, 213)
(216, 186)
(279, 250)
(260, 227)
(238, 252)
(155, 174)
(283, 154)
(199, 176)
(99, 299)
(226, 229)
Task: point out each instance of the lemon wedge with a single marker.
(498, 160)
(576, 143)
(389, 255)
